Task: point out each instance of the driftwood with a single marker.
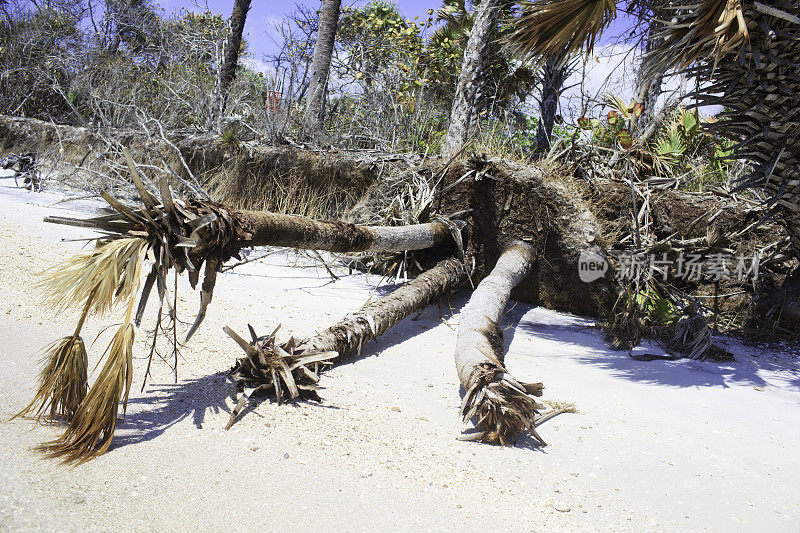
(295, 368)
(501, 406)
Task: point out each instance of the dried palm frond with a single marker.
(705, 30)
(107, 272)
(502, 406)
(92, 426)
(64, 379)
(91, 429)
(272, 366)
(552, 27)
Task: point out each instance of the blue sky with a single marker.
(264, 12)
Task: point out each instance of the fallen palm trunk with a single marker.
(502, 406)
(180, 235)
(184, 235)
(272, 366)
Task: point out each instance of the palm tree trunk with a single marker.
(649, 87)
(235, 229)
(321, 64)
(296, 368)
(554, 74)
(464, 104)
(501, 405)
(231, 58)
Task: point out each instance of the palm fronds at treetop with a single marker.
(551, 27)
(703, 30)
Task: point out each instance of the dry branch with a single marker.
(501, 405)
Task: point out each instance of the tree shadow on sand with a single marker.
(164, 405)
(589, 348)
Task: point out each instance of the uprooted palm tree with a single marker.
(185, 236)
(743, 51)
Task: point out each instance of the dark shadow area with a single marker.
(589, 348)
(164, 405)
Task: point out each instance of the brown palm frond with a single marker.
(502, 406)
(91, 429)
(108, 272)
(552, 27)
(705, 30)
(269, 365)
(63, 381)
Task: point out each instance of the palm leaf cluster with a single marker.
(501, 406)
(559, 27)
(172, 234)
(283, 368)
(759, 85)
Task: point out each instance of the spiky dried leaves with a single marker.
(63, 381)
(559, 27)
(701, 30)
(269, 365)
(103, 275)
(501, 406)
(92, 427)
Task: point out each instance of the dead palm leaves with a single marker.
(63, 380)
(501, 405)
(703, 30)
(96, 278)
(93, 421)
(91, 429)
(545, 29)
(282, 368)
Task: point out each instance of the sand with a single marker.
(656, 446)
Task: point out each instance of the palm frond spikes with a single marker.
(552, 27)
(99, 276)
(702, 30)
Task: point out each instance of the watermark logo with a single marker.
(592, 265)
(688, 266)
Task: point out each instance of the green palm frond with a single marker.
(556, 26)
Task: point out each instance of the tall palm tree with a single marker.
(744, 51)
(554, 73)
(321, 64)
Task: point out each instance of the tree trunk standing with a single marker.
(502, 406)
(321, 64)
(463, 110)
(649, 88)
(554, 74)
(230, 61)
